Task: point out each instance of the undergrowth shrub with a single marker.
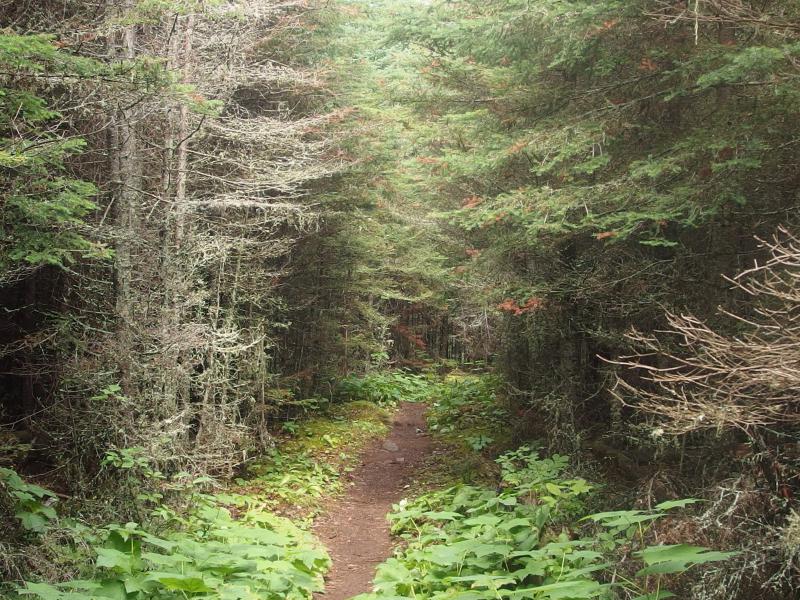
(28, 503)
(467, 403)
(293, 479)
(528, 539)
(306, 467)
(386, 388)
(208, 551)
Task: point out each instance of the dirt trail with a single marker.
(355, 530)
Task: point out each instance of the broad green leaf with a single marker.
(442, 515)
(32, 521)
(480, 550)
(677, 558)
(484, 520)
(444, 555)
(553, 488)
(562, 590)
(109, 558)
(485, 581)
(669, 504)
(112, 588)
(182, 583)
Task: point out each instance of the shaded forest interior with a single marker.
(223, 219)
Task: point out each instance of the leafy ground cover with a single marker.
(207, 550)
(468, 409)
(306, 468)
(519, 525)
(468, 419)
(196, 539)
(387, 388)
(529, 538)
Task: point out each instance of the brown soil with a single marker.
(355, 529)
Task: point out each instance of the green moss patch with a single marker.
(306, 467)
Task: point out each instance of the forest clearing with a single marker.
(399, 299)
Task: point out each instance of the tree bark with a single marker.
(127, 199)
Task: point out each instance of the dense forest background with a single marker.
(213, 211)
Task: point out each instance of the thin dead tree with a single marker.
(694, 378)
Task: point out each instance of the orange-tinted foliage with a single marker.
(415, 339)
(605, 235)
(647, 65)
(471, 202)
(517, 147)
(510, 305)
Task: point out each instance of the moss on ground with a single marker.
(307, 467)
(469, 425)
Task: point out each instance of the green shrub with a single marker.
(205, 552)
(526, 540)
(29, 503)
(461, 403)
(258, 555)
(386, 388)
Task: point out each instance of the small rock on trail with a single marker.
(390, 446)
(355, 529)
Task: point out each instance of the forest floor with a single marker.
(354, 528)
(479, 512)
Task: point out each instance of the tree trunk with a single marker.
(183, 138)
(127, 200)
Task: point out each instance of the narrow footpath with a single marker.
(355, 529)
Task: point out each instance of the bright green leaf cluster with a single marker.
(31, 504)
(524, 541)
(257, 555)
